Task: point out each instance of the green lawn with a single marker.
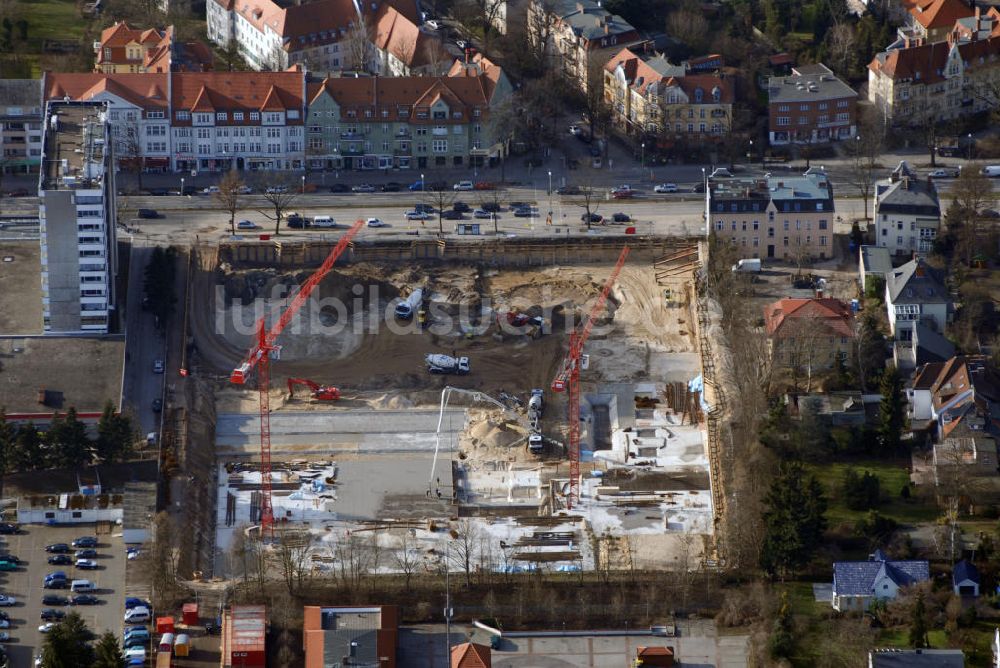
(892, 477)
(899, 636)
(51, 19)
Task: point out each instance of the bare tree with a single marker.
(292, 551)
(358, 46)
(404, 53)
(691, 26)
(405, 558)
(590, 204)
(865, 151)
(596, 108)
(439, 198)
(971, 192)
(280, 193)
(842, 48)
(493, 200)
(542, 21)
(464, 546)
(128, 148)
(230, 196)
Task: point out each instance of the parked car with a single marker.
(340, 188)
(594, 218)
(619, 193)
(426, 208)
(245, 190)
(10, 558)
(296, 220)
(363, 188)
(524, 212)
(60, 560)
(698, 187)
(391, 187)
(147, 213)
(432, 24)
(276, 190)
(157, 405)
(7, 528)
(210, 190)
(493, 207)
(46, 627)
(133, 602)
(945, 173)
(85, 541)
(8, 566)
(7, 601)
(54, 599)
(58, 583)
(84, 599)
(416, 186)
(158, 366)
(461, 207)
(375, 222)
(452, 215)
(417, 215)
(57, 547)
(482, 213)
(464, 185)
(620, 217)
(86, 564)
(568, 190)
(247, 225)
(324, 221)
(484, 185)
(665, 188)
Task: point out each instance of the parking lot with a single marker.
(25, 584)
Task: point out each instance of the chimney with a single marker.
(920, 271)
(819, 293)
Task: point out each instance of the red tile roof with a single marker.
(938, 13)
(141, 89)
(405, 94)
(929, 59)
(238, 91)
(831, 313)
(404, 39)
(155, 47)
(708, 83)
(471, 655)
(640, 75)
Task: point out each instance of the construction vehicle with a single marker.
(445, 364)
(259, 358)
(568, 379)
(319, 392)
(536, 404)
(405, 309)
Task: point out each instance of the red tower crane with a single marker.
(568, 378)
(259, 358)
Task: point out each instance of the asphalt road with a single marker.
(144, 344)
(25, 585)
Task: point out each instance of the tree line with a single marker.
(66, 443)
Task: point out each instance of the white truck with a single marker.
(446, 364)
(748, 265)
(406, 308)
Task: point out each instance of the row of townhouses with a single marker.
(122, 48)
(213, 121)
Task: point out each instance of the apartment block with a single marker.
(811, 106)
(915, 82)
(649, 95)
(197, 120)
(907, 212)
(782, 217)
(579, 37)
(20, 126)
(76, 213)
(122, 48)
(372, 123)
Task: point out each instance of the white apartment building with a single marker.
(907, 213)
(20, 126)
(76, 214)
(196, 120)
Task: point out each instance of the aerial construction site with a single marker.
(532, 404)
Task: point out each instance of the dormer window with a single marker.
(221, 116)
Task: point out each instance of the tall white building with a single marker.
(907, 213)
(76, 213)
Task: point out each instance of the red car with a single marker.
(622, 194)
(484, 185)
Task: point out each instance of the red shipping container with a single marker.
(164, 624)
(190, 614)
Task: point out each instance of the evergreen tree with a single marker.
(794, 520)
(892, 417)
(861, 492)
(114, 435)
(68, 645)
(781, 643)
(108, 652)
(69, 445)
(871, 348)
(8, 435)
(918, 624)
(29, 452)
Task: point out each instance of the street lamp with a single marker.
(182, 186)
(550, 197)
(969, 137)
(421, 183)
(750, 152)
(303, 184)
(642, 159)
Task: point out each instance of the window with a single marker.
(237, 115)
(155, 114)
(782, 120)
(205, 119)
(254, 115)
(439, 146)
(156, 131)
(273, 133)
(204, 133)
(803, 120)
(843, 118)
(804, 107)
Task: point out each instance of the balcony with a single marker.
(440, 132)
(352, 135)
(402, 151)
(403, 134)
(351, 150)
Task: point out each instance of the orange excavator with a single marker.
(319, 392)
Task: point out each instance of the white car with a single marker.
(247, 225)
(944, 173)
(461, 43)
(276, 190)
(721, 173)
(464, 185)
(417, 215)
(7, 601)
(46, 627)
(211, 190)
(432, 24)
(665, 188)
(245, 190)
(574, 130)
(375, 222)
(4, 623)
(86, 564)
(4, 636)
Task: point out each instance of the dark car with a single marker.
(7, 528)
(424, 208)
(87, 553)
(51, 614)
(158, 192)
(517, 204)
(452, 215)
(57, 583)
(461, 207)
(157, 405)
(133, 602)
(594, 217)
(340, 188)
(54, 599)
(568, 190)
(297, 222)
(492, 207)
(147, 213)
(698, 187)
(84, 599)
(524, 212)
(61, 560)
(392, 187)
(57, 548)
(85, 541)
(620, 217)
(989, 213)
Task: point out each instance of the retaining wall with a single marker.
(504, 252)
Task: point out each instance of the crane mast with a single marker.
(568, 379)
(259, 358)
